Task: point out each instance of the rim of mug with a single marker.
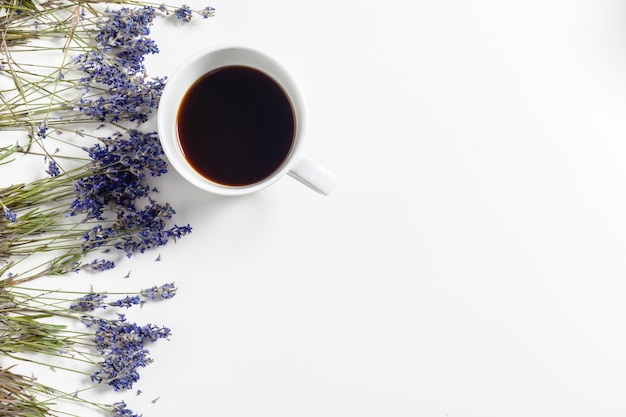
(175, 90)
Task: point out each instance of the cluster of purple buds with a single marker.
(146, 229)
(115, 85)
(127, 302)
(120, 95)
(136, 231)
(89, 302)
(117, 169)
(165, 291)
(53, 169)
(125, 34)
(9, 214)
(121, 410)
(98, 265)
(184, 13)
(122, 346)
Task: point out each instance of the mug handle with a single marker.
(313, 175)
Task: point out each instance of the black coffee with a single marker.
(236, 126)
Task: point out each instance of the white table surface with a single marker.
(470, 263)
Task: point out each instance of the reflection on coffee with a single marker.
(236, 126)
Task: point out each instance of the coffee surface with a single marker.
(236, 126)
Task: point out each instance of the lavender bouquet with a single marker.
(74, 95)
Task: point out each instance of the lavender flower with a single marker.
(125, 98)
(145, 229)
(9, 214)
(99, 265)
(89, 302)
(125, 24)
(125, 33)
(119, 165)
(42, 132)
(165, 291)
(117, 67)
(126, 302)
(53, 169)
(207, 12)
(120, 410)
(122, 345)
(101, 70)
(98, 236)
(184, 13)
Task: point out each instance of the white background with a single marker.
(471, 260)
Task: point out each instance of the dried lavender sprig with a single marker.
(36, 228)
(108, 186)
(37, 90)
(25, 396)
(109, 344)
(92, 32)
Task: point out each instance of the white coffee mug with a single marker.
(296, 164)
